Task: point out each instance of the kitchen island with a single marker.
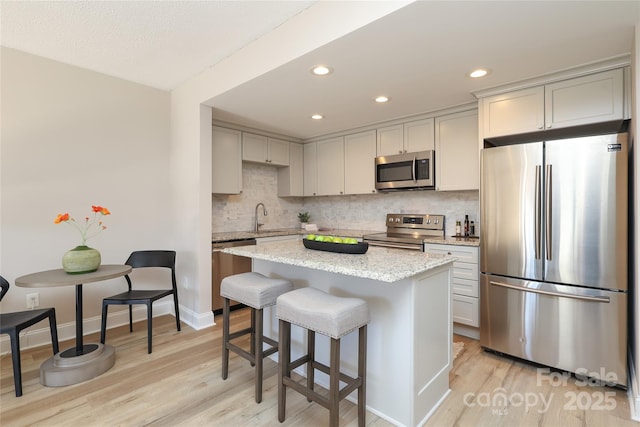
(410, 334)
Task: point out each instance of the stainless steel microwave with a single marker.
(408, 171)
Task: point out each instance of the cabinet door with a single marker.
(514, 112)
(457, 152)
(589, 99)
(330, 166)
(290, 178)
(226, 161)
(278, 152)
(390, 140)
(254, 148)
(418, 136)
(359, 163)
(310, 169)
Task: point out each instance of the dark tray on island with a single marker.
(341, 248)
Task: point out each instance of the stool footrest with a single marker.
(299, 362)
(240, 352)
(303, 390)
(324, 368)
(239, 333)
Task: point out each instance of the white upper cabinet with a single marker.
(226, 161)
(359, 159)
(418, 136)
(330, 166)
(261, 149)
(589, 99)
(406, 138)
(583, 100)
(457, 153)
(390, 140)
(310, 169)
(290, 178)
(514, 112)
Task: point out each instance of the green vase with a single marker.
(81, 259)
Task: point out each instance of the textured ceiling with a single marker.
(156, 43)
(418, 55)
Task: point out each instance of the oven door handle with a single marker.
(395, 245)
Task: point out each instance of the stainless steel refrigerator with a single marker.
(554, 254)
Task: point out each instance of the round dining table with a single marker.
(84, 361)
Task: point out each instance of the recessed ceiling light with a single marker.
(382, 99)
(317, 117)
(480, 72)
(322, 70)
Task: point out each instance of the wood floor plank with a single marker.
(179, 384)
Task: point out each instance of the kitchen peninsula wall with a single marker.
(363, 212)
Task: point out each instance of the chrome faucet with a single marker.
(264, 210)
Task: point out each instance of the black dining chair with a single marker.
(140, 259)
(13, 323)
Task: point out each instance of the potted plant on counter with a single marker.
(304, 218)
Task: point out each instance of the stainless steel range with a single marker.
(408, 231)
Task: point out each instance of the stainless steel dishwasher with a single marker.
(223, 265)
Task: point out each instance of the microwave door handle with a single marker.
(413, 170)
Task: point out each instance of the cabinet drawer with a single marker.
(465, 310)
(464, 287)
(465, 270)
(463, 253)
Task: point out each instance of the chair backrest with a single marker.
(153, 258)
(5, 287)
(139, 259)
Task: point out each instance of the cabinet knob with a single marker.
(399, 151)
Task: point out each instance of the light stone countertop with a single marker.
(382, 264)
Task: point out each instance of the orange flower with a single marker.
(102, 210)
(89, 227)
(61, 218)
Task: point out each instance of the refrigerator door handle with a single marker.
(538, 213)
(548, 208)
(605, 300)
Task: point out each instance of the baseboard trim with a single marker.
(67, 331)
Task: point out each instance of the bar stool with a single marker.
(329, 315)
(256, 291)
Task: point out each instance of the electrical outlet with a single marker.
(33, 300)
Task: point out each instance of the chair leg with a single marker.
(15, 359)
(311, 351)
(130, 318)
(149, 325)
(362, 373)
(175, 303)
(284, 356)
(54, 332)
(334, 383)
(225, 338)
(252, 340)
(257, 355)
(103, 325)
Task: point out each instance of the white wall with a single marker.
(72, 138)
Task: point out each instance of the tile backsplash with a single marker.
(362, 212)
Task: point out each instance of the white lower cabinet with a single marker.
(464, 289)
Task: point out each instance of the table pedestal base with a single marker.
(58, 371)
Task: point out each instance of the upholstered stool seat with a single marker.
(332, 316)
(257, 292)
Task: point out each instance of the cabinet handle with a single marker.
(399, 151)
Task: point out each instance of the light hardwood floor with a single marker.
(179, 384)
